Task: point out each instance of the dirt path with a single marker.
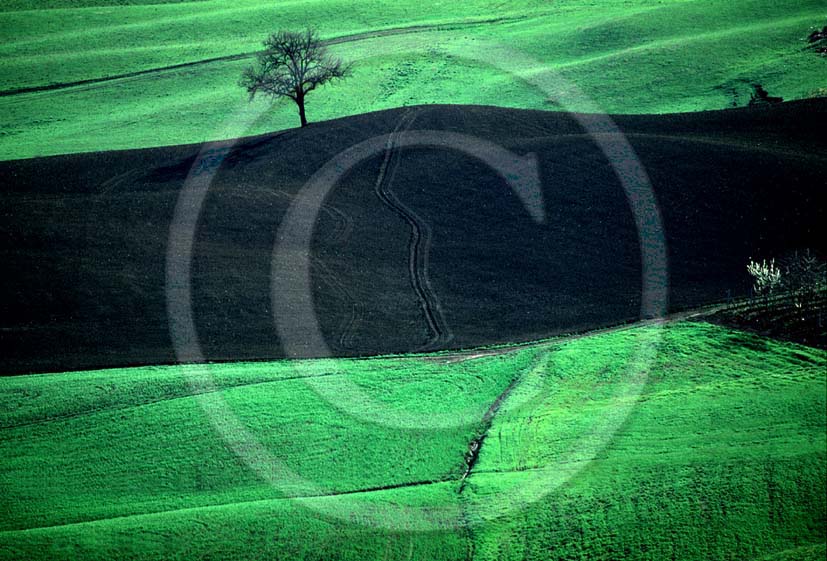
(241, 56)
(419, 242)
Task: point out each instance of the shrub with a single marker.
(766, 276)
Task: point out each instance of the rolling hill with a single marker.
(417, 247)
(717, 452)
(479, 309)
(104, 75)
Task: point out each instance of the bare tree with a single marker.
(292, 65)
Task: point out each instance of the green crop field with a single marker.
(687, 441)
(666, 439)
(626, 56)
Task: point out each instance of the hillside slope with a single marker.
(415, 248)
(701, 465)
(720, 454)
(87, 76)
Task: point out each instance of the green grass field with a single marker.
(717, 452)
(684, 441)
(627, 56)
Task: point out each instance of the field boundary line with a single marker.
(391, 487)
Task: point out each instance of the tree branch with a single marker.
(292, 65)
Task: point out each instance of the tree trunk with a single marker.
(300, 103)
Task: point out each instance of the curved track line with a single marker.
(344, 223)
(347, 329)
(339, 236)
(419, 241)
(241, 56)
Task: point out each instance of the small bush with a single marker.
(766, 276)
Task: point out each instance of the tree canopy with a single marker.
(292, 65)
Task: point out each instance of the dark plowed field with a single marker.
(416, 248)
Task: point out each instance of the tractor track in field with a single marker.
(339, 236)
(419, 241)
(93, 82)
(348, 327)
(343, 222)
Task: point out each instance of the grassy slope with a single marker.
(722, 457)
(163, 454)
(678, 56)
